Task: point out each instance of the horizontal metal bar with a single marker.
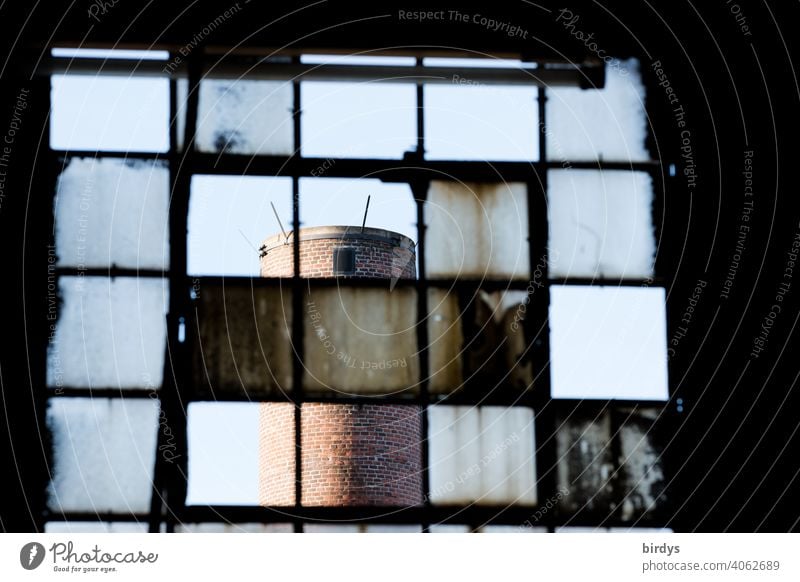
(555, 76)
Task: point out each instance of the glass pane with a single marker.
(477, 230)
(478, 343)
(350, 120)
(599, 124)
(608, 342)
(360, 528)
(472, 121)
(235, 528)
(223, 453)
(245, 117)
(110, 333)
(229, 217)
(70, 527)
(592, 476)
(90, 53)
(601, 224)
(361, 341)
(93, 112)
(241, 342)
(483, 455)
(103, 454)
(113, 212)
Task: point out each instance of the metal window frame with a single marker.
(168, 507)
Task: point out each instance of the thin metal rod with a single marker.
(278, 218)
(366, 210)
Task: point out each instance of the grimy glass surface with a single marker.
(112, 212)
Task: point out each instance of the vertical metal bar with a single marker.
(297, 312)
(536, 325)
(176, 373)
(420, 193)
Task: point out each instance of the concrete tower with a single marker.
(352, 454)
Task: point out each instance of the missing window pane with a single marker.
(109, 113)
(608, 343)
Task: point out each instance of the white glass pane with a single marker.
(109, 333)
(482, 454)
(357, 60)
(104, 454)
(471, 121)
(113, 212)
(342, 202)
(70, 527)
(608, 123)
(109, 113)
(223, 453)
(608, 342)
(91, 53)
(477, 230)
(245, 117)
(228, 219)
(352, 120)
(477, 63)
(235, 528)
(601, 224)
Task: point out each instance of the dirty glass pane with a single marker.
(361, 341)
(478, 343)
(216, 476)
(235, 528)
(608, 342)
(229, 217)
(245, 117)
(113, 212)
(108, 333)
(591, 477)
(96, 112)
(360, 528)
(477, 230)
(358, 120)
(241, 341)
(69, 527)
(482, 454)
(103, 453)
(599, 124)
(471, 121)
(601, 224)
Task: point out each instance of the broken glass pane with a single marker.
(477, 230)
(483, 455)
(593, 477)
(608, 342)
(113, 212)
(601, 224)
(245, 117)
(358, 120)
(599, 124)
(108, 333)
(241, 343)
(472, 121)
(361, 341)
(104, 454)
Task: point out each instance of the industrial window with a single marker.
(530, 344)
